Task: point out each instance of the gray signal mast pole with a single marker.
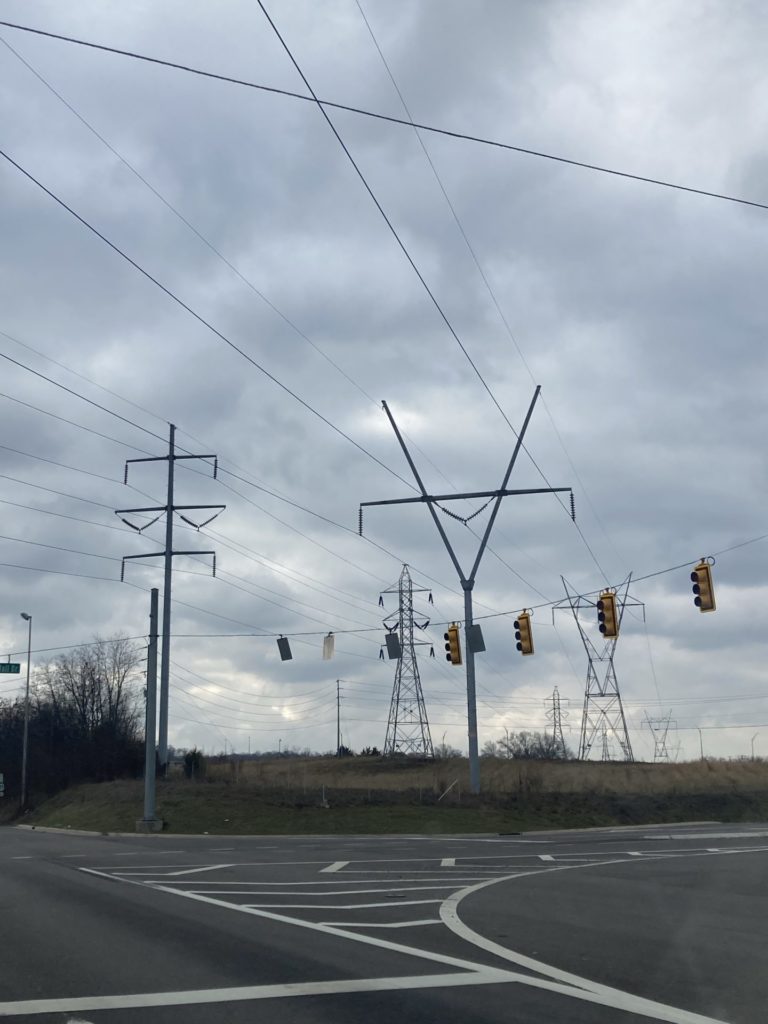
(473, 635)
(168, 555)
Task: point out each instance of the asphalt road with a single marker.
(618, 925)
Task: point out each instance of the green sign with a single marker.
(14, 667)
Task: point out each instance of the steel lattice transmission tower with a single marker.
(603, 722)
(660, 731)
(555, 714)
(408, 726)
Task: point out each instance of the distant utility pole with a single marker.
(338, 718)
(168, 555)
(407, 726)
(603, 714)
(473, 633)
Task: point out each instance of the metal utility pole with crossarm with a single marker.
(473, 634)
(168, 554)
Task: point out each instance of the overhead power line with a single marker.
(414, 266)
(447, 132)
(197, 316)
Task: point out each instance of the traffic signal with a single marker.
(702, 587)
(606, 614)
(523, 633)
(453, 644)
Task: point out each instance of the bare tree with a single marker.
(533, 746)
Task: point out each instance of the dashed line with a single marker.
(546, 856)
(336, 866)
(195, 871)
(448, 862)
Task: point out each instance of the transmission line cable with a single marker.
(483, 276)
(463, 136)
(422, 279)
(201, 319)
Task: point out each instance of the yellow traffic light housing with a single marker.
(702, 587)
(607, 618)
(523, 633)
(453, 644)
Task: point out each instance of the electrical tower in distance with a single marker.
(603, 716)
(660, 731)
(408, 726)
(555, 714)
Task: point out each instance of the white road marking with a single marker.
(713, 849)
(326, 906)
(448, 862)
(634, 853)
(545, 856)
(712, 835)
(195, 871)
(160, 879)
(25, 857)
(324, 893)
(378, 924)
(484, 976)
(586, 989)
(336, 866)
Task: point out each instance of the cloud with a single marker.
(638, 309)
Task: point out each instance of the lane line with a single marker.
(160, 879)
(635, 853)
(333, 892)
(585, 992)
(332, 906)
(486, 976)
(603, 994)
(336, 866)
(377, 924)
(448, 862)
(196, 871)
(546, 856)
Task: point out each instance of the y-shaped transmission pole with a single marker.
(473, 636)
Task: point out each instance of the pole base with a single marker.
(149, 825)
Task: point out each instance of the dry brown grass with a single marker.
(498, 776)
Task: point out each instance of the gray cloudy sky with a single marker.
(640, 311)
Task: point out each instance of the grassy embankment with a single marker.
(376, 796)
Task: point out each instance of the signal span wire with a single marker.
(463, 136)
